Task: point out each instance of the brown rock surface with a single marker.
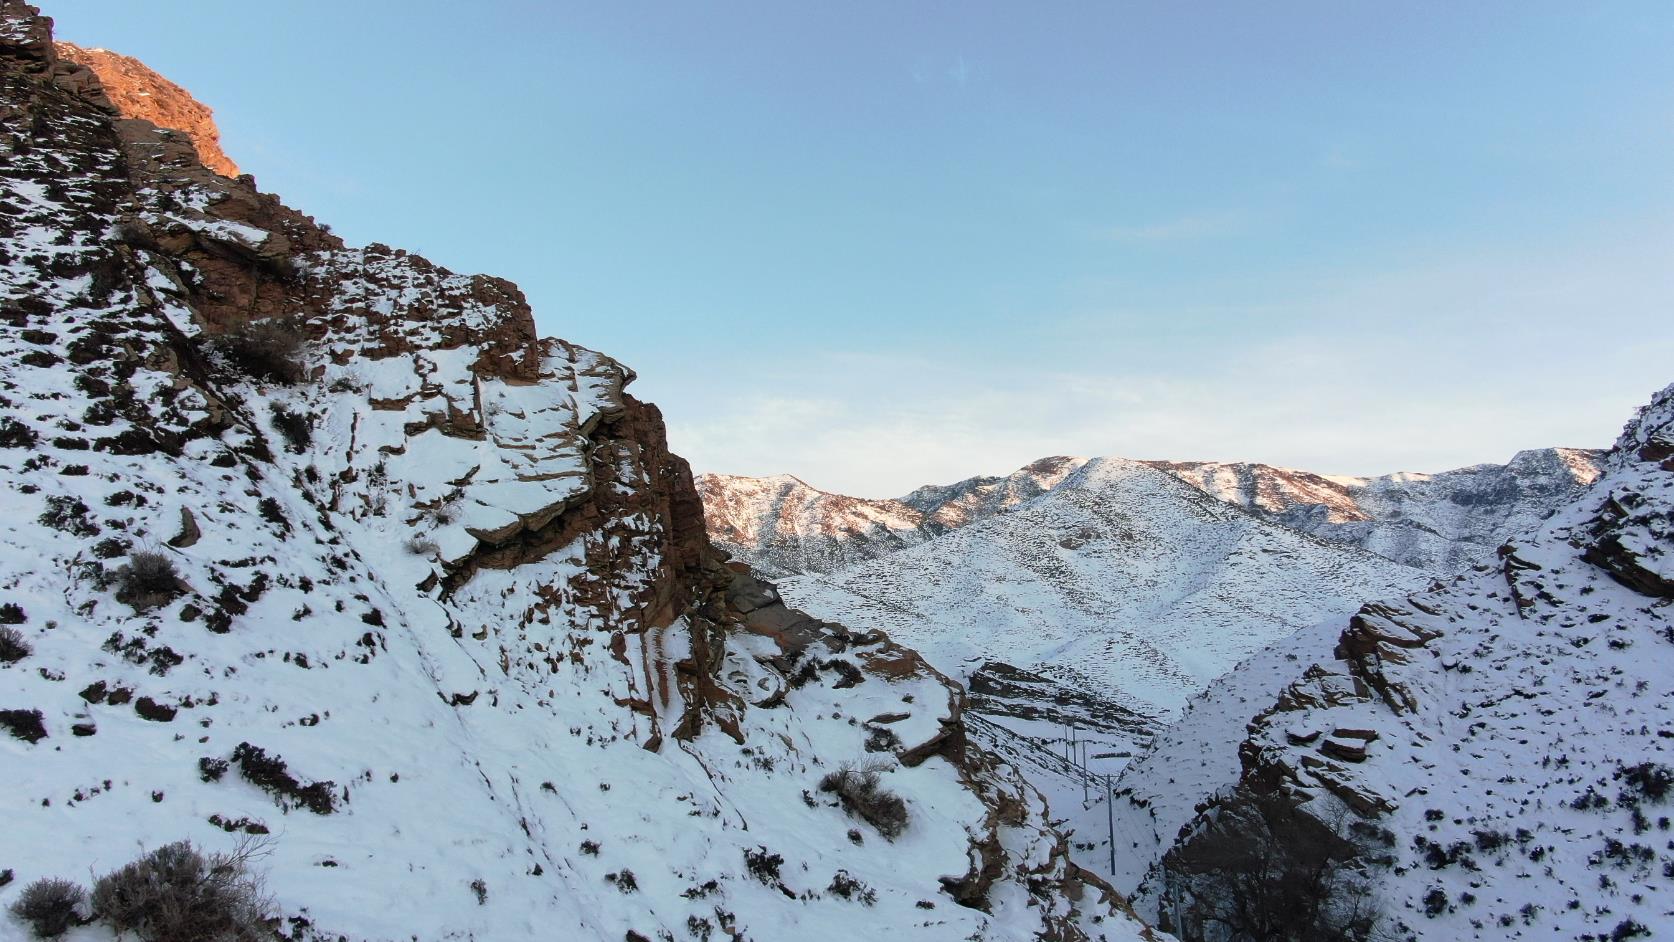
(139, 92)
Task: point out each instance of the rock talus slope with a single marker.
(275, 501)
(1499, 750)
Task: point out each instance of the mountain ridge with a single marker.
(1435, 521)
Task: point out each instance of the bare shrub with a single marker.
(849, 888)
(49, 906)
(178, 892)
(764, 865)
(294, 427)
(269, 349)
(862, 795)
(420, 545)
(13, 647)
(270, 774)
(24, 724)
(148, 579)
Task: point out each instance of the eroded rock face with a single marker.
(436, 562)
(1458, 743)
(138, 92)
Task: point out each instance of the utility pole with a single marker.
(1110, 822)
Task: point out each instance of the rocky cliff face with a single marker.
(1493, 757)
(314, 542)
(138, 92)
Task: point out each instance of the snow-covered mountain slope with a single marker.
(1441, 522)
(965, 502)
(781, 526)
(1123, 590)
(325, 544)
(1496, 753)
(1121, 581)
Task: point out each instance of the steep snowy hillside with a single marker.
(1121, 583)
(1441, 522)
(781, 526)
(1492, 758)
(1185, 764)
(324, 545)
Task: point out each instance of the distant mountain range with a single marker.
(1439, 522)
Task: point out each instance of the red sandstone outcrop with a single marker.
(139, 92)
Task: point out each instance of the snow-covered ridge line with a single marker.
(1439, 522)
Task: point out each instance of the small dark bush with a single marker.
(624, 880)
(480, 890)
(270, 350)
(68, 515)
(294, 428)
(851, 889)
(859, 791)
(1649, 780)
(148, 579)
(882, 739)
(1489, 840)
(14, 434)
(177, 892)
(49, 906)
(848, 675)
(24, 724)
(807, 672)
(12, 645)
(270, 774)
(11, 613)
(763, 865)
(210, 768)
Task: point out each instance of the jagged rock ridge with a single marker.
(272, 498)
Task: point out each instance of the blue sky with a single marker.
(881, 244)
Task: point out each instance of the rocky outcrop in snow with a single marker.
(1501, 746)
(325, 543)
